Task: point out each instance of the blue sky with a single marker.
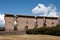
(25, 6)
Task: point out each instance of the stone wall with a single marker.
(40, 21)
(28, 22)
(25, 22)
(51, 22)
(9, 23)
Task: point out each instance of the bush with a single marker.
(29, 31)
(32, 31)
(54, 30)
(57, 30)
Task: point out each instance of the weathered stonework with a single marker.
(25, 22)
(51, 21)
(40, 21)
(9, 22)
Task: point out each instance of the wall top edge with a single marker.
(11, 15)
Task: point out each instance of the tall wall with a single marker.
(31, 23)
(40, 21)
(51, 22)
(9, 23)
(23, 21)
(28, 22)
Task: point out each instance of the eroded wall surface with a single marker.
(40, 22)
(51, 22)
(23, 22)
(28, 22)
(9, 23)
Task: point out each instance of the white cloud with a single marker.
(51, 8)
(46, 11)
(40, 9)
(53, 14)
(2, 21)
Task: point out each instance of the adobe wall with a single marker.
(22, 22)
(51, 22)
(31, 23)
(40, 21)
(9, 23)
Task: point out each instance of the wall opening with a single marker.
(15, 25)
(26, 27)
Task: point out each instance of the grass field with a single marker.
(29, 37)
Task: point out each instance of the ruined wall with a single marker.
(40, 22)
(51, 22)
(28, 22)
(31, 24)
(9, 23)
(22, 22)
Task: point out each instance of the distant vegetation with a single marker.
(54, 30)
(2, 28)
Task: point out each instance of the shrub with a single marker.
(57, 30)
(29, 31)
(32, 31)
(54, 30)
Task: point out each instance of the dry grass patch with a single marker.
(29, 37)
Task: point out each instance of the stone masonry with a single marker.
(25, 22)
(40, 21)
(9, 22)
(51, 21)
